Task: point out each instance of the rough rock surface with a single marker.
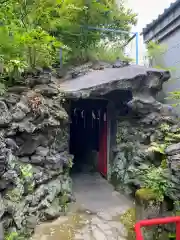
(34, 159)
(133, 154)
(138, 79)
(143, 125)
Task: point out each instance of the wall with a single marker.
(171, 60)
(135, 154)
(34, 160)
(167, 32)
(164, 24)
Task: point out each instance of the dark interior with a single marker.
(87, 117)
(120, 98)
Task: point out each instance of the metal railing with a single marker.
(157, 221)
(133, 35)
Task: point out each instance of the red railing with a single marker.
(157, 221)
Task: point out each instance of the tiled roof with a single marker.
(161, 17)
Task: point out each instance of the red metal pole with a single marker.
(150, 222)
(139, 235)
(178, 230)
(157, 221)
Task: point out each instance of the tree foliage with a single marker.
(32, 31)
(155, 54)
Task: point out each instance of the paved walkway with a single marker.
(93, 217)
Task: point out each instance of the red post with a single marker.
(178, 230)
(139, 235)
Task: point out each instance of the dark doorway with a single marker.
(120, 98)
(88, 118)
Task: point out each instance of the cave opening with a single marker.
(88, 135)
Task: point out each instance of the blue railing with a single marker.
(118, 31)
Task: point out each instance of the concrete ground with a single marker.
(93, 215)
(94, 193)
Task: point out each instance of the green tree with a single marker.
(32, 31)
(96, 13)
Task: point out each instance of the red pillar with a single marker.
(139, 235)
(178, 230)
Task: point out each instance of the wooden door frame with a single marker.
(110, 109)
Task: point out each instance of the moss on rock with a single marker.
(15, 195)
(177, 213)
(146, 194)
(164, 164)
(128, 219)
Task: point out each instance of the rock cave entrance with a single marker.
(88, 135)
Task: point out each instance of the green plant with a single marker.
(106, 52)
(175, 95)
(170, 137)
(155, 52)
(2, 88)
(12, 236)
(172, 236)
(64, 201)
(154, 180)
(14, 69)
(70, 163)
(34, 30)
(26, 171)
(14, 195)
(30, 187)
(164, 164)
(16, 236)
(160, 147)
(128, 219)
(157, 147)
(93, 13)
(165, 127)
(39, 47)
